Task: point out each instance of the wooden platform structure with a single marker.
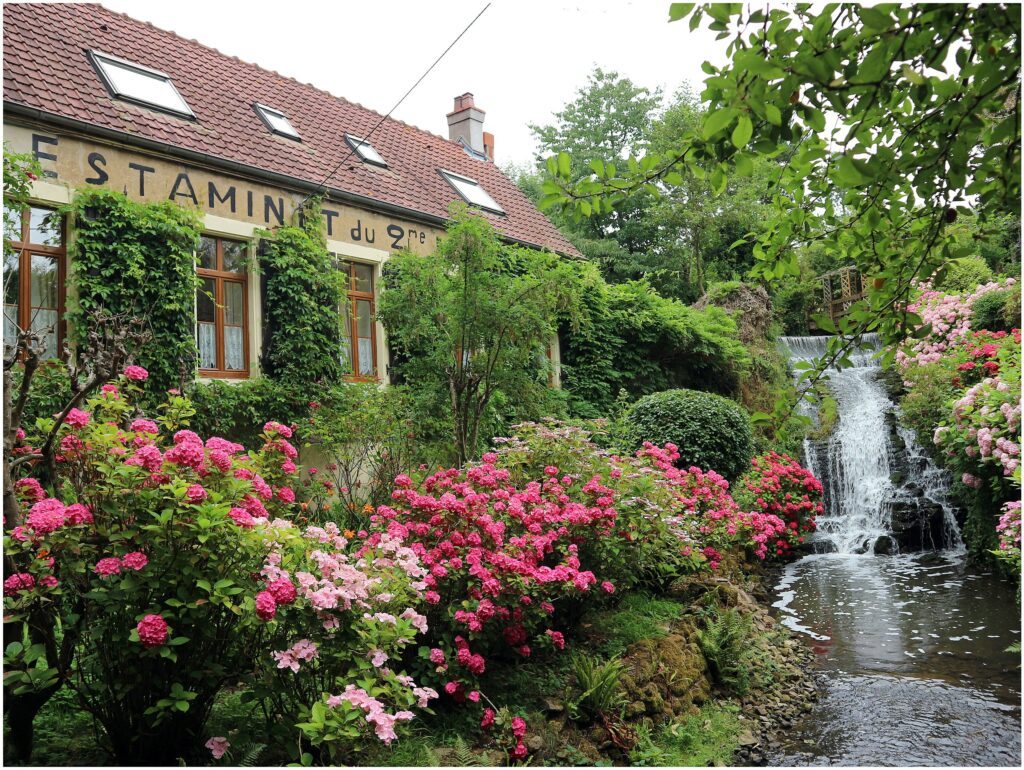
(840, 289)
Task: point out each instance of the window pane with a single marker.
(207, 346)
(364, 318)
(206, 301)
(365, 357)
(44, 322)
(473, 193)
(207, 253)
(146, 87)
(346, 351)
(364, 278)
(44, 227)
(234, 305)
(234, 256)
(346, 269)
(44, 281)
(12, 278)
(234, 350)
(12, 223)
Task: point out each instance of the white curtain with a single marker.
(207, 346)
(234, 355)
(365, 357)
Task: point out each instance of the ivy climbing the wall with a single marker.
(304, 291)
(137, 259)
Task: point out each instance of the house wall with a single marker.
(233, 206)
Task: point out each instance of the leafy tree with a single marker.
(899, 117)
(473, 321)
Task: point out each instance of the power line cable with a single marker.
(366, 138)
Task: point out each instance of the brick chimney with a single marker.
(466, 122)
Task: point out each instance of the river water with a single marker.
(911, 647)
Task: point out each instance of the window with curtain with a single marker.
(34, 277)
(359, 343)
(222, 329)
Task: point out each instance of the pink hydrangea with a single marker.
(196, 494)
(19, 581)
(77, 513)
(76, 418)
(144, 426)
(46, 516)
(488, 718)
(29, 490)
(266, 606)
(152, 631)
(218, 746)
(108, 566)
(136, 560)
(286, 495)
(282, 590)
(242, 518)
(136, 373)
(276, 428)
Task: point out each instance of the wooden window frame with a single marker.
(26, 249)
(351, 295)
(220, 276)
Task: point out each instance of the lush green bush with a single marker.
(964, 275)
(137, 259)
(630, 338)
(237, 411)
(997, 310)
(793, 302)
(710, 431)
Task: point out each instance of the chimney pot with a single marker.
(466, 122)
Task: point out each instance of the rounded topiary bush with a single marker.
(710, 431)
(989, 311)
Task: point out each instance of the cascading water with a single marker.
(868, 477)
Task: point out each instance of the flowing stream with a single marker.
(910, 639)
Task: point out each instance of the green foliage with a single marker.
(137, 259)
(630, 338)
(303, 303)
(470, 325)
(598, 683)
(724, 641)
(828, 418)
(710, 431)
(366, 433)
(46, 398)
(793, 303)
(708, 738)
(238, 411)
(872, 190)
(962, 276)
(995, 310)
(19, 172)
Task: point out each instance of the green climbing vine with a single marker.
(304, 290)
(137, 259)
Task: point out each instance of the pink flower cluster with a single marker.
(152, 630)
(383, 722)
(302, 650)
(777, 485)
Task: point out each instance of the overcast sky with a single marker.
(523, 60)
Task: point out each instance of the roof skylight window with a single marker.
(276, 121)
(365, 150)
(472, 192)
(135, 83)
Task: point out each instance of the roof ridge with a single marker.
(318, 89)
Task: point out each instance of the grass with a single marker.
(638, 616)
(710, 737)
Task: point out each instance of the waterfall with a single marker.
(882, 492)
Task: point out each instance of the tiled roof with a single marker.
(46, 67)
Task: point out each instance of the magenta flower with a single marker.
(19, 581)
(135, 560)
(196, 493)
(152, 631)
(266, 606)
(77, 514)
(46, 516)
(282, 590)
(241, 518)
(76, 418)
(136, 373)
(111, 565)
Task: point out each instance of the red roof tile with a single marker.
(46, 67)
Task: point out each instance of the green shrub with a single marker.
(989, 311)
(1011, 310)
(793, 303)
(628, 337)
(963, 275)
(237, 412)
(710, 431)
